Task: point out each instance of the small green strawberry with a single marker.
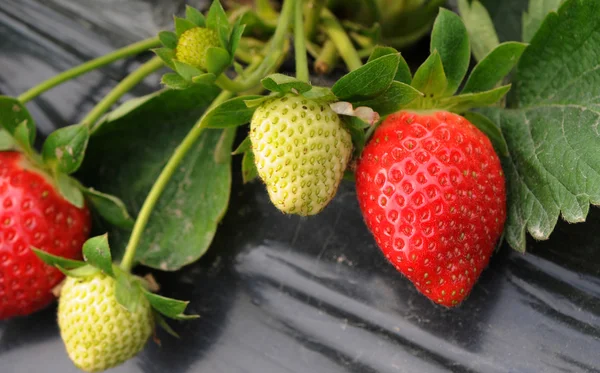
(98, 332)
(193, 45)
(301, 152)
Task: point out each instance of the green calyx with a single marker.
(201, 47)
(192, 46)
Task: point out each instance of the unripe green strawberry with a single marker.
(301, 151)
(98, 332)
(193, 45)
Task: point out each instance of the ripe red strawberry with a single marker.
(431, 190)
(32, 213)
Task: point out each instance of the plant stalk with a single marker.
(300, 44)
(127, 51)
(342, 41)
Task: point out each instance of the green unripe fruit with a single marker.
(193, 45)
(97, 331)
(301, 151)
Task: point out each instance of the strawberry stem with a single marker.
(127, 51)
(327, 59)
(342, 41)
(313, 17)
(300, 45)
(120, 89)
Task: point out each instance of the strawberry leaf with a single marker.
(490, 129)
(97, 253)
(231, 113)
(321, 94)
(175, 81)
(462, 103)
(195, 16)
(494, 67)
(403, 74)
(55, 260)
(188, 212)
(111, 208)
(480, 27)
(216, 19)
(160, 320)
(171, 308)
(450, 39)
(236, 36)
(280, 83)
(369, 80)
(69, 189)
(166, 55)
(430, 78)
(128, 290)
(186, 71)
(534, 16)
(551, 128)
(182, 25)
(7, 142)
(80, 272)
(12, 114)
(217, 60)
(168, 39)
(244, 147)
(22, 137)
(393, 99)
(249, 170)
(64, 148)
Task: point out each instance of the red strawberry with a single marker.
(32, 213)
(431, 190)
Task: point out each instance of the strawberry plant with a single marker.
(479, 144)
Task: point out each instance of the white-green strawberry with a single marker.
(301, 151)
(193, 45)
(98, 332)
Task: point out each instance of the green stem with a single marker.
(327, 59)
(162, 181)
(273, 53)
(127, 51)
(313, 17)
(342, 41)
(166, 174)
(120, 89)
(300, 45)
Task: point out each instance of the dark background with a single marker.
(287, 294)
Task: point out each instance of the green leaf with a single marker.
(175, 81)
(450, 39)
(171, 308)
(80, 272)
(217, 60)
(216, 19)
(193, 15)
(356, 127)
(430, 78)
(7, 142)
(257, 102)
(552, 127)
(69, 189)
(494, 67)
(22, 136)
(462, 103)
(160, 321)
(403, 74)
(223, 148)
(186, 71)
(166, 55)
(65, 148)
(205, 79)
(110, 208)
(188, 212)
(236, 36)
(393, 99)
(12, 114)
(97, 253)
(128, 291)
(283, 84)
(182, 25)
(55, 260)
(321, 94)
(244, 146)
(168, 39)
(368, 80)
(232, 113)
(507, 17)
(533, 18)
(491, 130)
(249, 170)
(480, 27)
